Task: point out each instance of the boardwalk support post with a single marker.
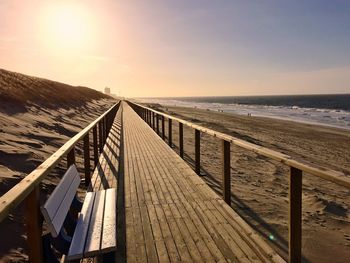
(170, 135)
(71, 157)
(157, 118)
(197, 136)
(87, 159)
(34, 225)
(226, 171)
(295, 214)
(104, 130)
(181, 139)
(163, 128)
(100, 136)
(149, 118)
(94, 137)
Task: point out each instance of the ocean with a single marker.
(330, 110)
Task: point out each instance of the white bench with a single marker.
(95, 227)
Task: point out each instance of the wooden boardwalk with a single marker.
(166, 213)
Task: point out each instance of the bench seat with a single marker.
(95, 233)
(91, 233)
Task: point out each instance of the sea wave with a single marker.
(329, 117)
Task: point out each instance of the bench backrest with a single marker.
(57, 206)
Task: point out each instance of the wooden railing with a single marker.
(28, 189)
(297, 168)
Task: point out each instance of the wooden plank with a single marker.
(94, 235)
(109, 233)
(226, 171)
(295, 214)
(197, 151)
(52, 204)
(61, 213)
(76, 250)
(33, 222)
(87, 159)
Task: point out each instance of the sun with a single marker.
(68, 28)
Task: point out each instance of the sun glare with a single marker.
(68, 28)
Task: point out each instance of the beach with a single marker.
(260, 185)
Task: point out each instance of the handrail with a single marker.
(12, 198)
(325, 173)
(297, 168)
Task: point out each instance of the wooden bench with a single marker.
(92, 233)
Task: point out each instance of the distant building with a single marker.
(107, 90)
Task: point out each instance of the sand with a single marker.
(37, 116)
(260, 185)
(26, 140)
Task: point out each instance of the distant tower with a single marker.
(107, 90)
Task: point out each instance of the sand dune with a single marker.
(19, 91)
(37, 116)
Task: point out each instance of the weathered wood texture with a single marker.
(181, 139)
(34, 226)
(59, 202)
(226, 171)
(197, 151)
(87, 159)
(295, 214)
(170, 212)
(95, 232)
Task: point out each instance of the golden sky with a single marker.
(180, 48)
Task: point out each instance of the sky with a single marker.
(164, 48)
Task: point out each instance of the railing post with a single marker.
(107, 128)
(295, 214)
(150, 118)
(71, 157)
(170, 133)
(34, 226)
(163, 128)
(181, 139)
(94, 137)
(100, 136)
(153, 121)
(87, 159)
(157, 118)
(226, 171)
(104, 130)
(197, 136)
